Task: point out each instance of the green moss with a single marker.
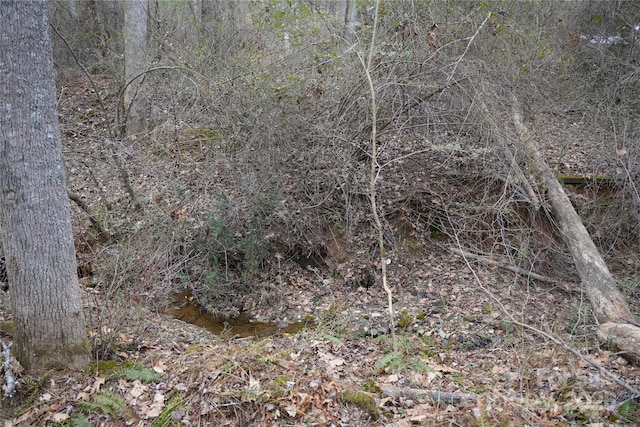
(211, 135)
(44, 356)
(362, 400)
(405, 320)
(370, 386)
(194, 348)
(105, 366)
(281, 381)
(8, 327)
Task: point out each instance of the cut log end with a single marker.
(625, 337)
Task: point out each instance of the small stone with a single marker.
(360, 333)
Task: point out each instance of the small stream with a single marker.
(183, 307)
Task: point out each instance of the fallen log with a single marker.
(435, 396)
(625, 338)
(609, 305)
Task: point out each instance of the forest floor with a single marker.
(461, 357)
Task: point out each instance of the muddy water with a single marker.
(184, 307)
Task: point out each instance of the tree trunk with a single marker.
(34, 208)
(350, 14)
(136, 104)
(608, 303)
(222, 21)
(331, 7)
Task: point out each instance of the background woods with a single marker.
(220, 151)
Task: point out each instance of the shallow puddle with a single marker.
(185, 308)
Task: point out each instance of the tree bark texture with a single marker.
(34, 208)
(350, 13)
(136, 104)
(222, 23)
(608, 303)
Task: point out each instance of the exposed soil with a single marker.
(455, 317)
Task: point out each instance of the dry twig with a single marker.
(565, 286)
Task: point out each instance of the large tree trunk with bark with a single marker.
(609, 305)
(34, 208)
(136, 104)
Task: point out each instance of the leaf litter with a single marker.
(460, 360)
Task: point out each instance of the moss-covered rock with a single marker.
(362, 400)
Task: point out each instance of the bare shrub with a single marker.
(260, 129)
